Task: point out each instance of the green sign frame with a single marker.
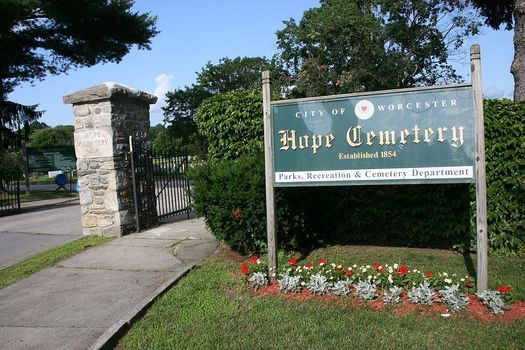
(405, 136)
(51, 158)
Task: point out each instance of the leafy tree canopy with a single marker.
(225, 76)
(357, 45)
(60, 135)
(496, 12)
(38, 37)
(232, 123)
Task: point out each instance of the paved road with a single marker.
(44, 187)
(37, 229)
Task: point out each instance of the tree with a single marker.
(13, 116)
(60, 135)
(232, 123)
(225, 76)
(511, 14)
(41, 37)
(357, 45)
(36, 125)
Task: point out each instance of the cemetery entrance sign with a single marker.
(406, 136)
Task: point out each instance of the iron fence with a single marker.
(160, 185)
(9, 197)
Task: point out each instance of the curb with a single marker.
(110, 338)
(35, 205)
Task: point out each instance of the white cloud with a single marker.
(494, 92)
(163, 82)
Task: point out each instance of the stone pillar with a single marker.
(105, 116)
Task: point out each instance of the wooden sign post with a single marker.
(481, 182)
(271, 224)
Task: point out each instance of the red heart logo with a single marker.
(363, 108)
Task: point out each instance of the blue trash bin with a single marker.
(61, 181)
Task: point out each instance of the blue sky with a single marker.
(194, 32)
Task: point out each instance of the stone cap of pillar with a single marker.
(106, 91)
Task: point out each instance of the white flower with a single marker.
(390, 269)
(396, 266)
(258, 261)
(390, 279)
(462, 280)
(367, 266)
(445, 274)
(302, 283)
(339, 267)
(333, 264)
(354, 265)
(448, 280)
(363, 269)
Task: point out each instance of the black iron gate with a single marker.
(9, 196)
(160, 185)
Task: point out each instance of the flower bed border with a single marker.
(394, 284)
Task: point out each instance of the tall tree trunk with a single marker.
(518, 64)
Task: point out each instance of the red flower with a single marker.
(378, 267)
(504, 289)
(309, 266)
(293, 261)
(244, 269)
(254, 259)
(402, 271)
(349, 273)
(322, 262)
(339, 267)
(429, 274)
(468, 284)
(237, 213)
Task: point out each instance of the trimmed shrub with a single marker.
(230, 194)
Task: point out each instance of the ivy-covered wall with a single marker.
(505, 150)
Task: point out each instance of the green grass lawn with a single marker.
(41, 195)
(209, 309)
(18, 271)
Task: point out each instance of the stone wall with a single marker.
(105, 116)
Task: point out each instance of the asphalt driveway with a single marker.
(41, 226)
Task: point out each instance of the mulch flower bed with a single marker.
(475, 308)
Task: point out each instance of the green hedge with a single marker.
(230, 195)
(505, 151)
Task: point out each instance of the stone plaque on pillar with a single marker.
(105, 116)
